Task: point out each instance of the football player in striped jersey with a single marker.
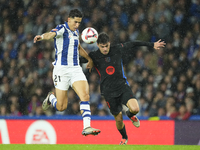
(67, 70)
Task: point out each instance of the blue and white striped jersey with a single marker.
(66, 46)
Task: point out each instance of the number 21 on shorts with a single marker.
(57, 78)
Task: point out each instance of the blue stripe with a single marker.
(56, 56)
(56, 53)
(67, 25)
(124, 74)
(84, 102)
(58, 27)
(86, 116)
(65, 48)
(75, 59)
(53, 100)
(55, 106)
(77, 31)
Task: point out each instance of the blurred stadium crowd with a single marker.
(165, 82)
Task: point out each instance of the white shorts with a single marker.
(64, 76)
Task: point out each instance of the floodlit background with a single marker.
(166, 83)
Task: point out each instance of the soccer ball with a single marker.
(89, 35)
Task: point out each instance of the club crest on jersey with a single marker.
(107, 59)
(110, 70)
(76, 33)
(69, 36)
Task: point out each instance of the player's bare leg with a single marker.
(62, 100)
(121, 128)
(119, 121)
(82, 90)
(133, 110)
(59, 102)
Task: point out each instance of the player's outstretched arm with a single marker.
(45, 36)
(84, 54)
(159, 44)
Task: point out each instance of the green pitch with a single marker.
(97, 147)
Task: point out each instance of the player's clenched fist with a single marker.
(37, 38)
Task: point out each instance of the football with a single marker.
(89, 35)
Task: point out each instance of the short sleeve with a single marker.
(59, 30)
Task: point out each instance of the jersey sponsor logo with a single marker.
(110, 70)
(107, 59)
(54, 29)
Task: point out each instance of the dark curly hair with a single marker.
(75, 13)
(103, 38)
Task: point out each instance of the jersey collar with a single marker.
(74, 32)
(67, 26)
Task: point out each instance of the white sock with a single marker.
(86, 122)
(85, 107)
(53, 100)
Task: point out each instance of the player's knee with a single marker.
(137, 109)
(61, 107)
(134, 109)
(133, 106)
(85, 97)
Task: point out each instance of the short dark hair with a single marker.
(75, 13)
(103, 38)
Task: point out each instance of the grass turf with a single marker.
(96, 147)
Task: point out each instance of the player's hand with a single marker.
(37, 38)
(90, 64)
(159, 44)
